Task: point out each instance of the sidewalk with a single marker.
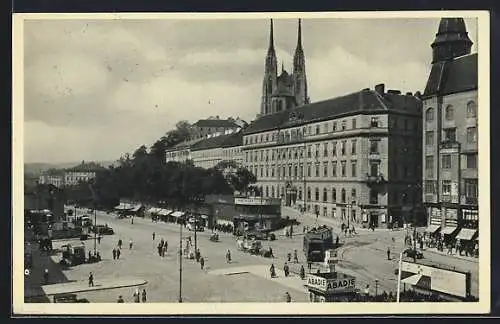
(455, 255)
(82, 286)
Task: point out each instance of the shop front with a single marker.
(264, 213)
(331, 287)
(375, 217)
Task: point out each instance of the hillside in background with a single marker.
(37, 168)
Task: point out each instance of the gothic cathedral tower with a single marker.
(286, 91)
(299, 72)
(269, 83)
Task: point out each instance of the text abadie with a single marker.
(331, 284)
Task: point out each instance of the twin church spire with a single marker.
(284, 91)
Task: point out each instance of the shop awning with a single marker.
(432, 229)
(466, 234)
(224, 222)
(177, 214)
(204, 216)
(164, 212)
(412, 280)
(448, 230)
(136, 208)
(152, 210)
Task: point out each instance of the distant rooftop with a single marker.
(86, 167)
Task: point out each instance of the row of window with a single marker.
(320, 150)
(471, 162)
(297, 171)
(450, 134)
(470, 186)
(299, 133)
(450, 112)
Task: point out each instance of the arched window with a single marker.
(429, 114)
(316, 194)
(334, 195)
(471, 109)
(448, 112)
(343, 198)
(325, 195)
(272, 191)
(308, 193)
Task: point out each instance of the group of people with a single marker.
(162, 247)
(348, 230)
(224, 228)
(137, 296)
(295, 256)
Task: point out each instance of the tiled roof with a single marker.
(453, 76)
(229, 140)
(364, 100)
(215, 123)
(86, 167)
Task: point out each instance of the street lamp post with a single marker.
(376, 288)
(398, 293)
(180, 262)
(95, 231)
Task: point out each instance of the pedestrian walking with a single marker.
(228, 256)
(144, 295)
(120, 299)
(99, 239)
(271, 252)
(163, 251)
(202, 262)
(91, 279)
(118, 252)
(165, 245)
(289, 256)
(337, 241)
(272, 271)
(130, 244)
(120, 243)
(367, 291)
(114, 253)
(309, 266)
(286, 269)
(154, 235)
(160, 249)
(288, 298)
(90, 256)
(137, 296)
(388, 253)
(46, 276)
(345, 232)
(302, 272)
(295, 257)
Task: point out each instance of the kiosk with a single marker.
(331, 287)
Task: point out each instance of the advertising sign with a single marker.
(257, 201)
(331, 285)
(442, 280)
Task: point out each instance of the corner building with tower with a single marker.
(450, 136)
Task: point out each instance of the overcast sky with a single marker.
(95, 89)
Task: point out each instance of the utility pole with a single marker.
(376, 288)
(95, 230)
(180, 262)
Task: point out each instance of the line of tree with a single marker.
(145, 177)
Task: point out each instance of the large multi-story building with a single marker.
(450, 134)
(82, 172)
(52, 176)
(209, 152)
(355, 157)
(285, 91)
(205, 128)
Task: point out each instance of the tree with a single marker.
(237, 176)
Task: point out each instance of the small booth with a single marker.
(331, 287)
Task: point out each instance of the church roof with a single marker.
(365, 100)
(457, 75)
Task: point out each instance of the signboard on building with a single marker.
(441, 280)
(337, 285)
(257, 201)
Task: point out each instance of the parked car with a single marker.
(103, 230)
(412, 253)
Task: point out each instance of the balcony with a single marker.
(375, 179)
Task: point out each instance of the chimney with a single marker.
(396, 92)
(380, 88)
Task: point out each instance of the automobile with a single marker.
(103, 230)
(412, 253)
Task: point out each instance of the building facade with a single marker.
(356, 157)
(82, 172)
(207, 153)
(285, 91)
(204, 128)
(450, 134)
